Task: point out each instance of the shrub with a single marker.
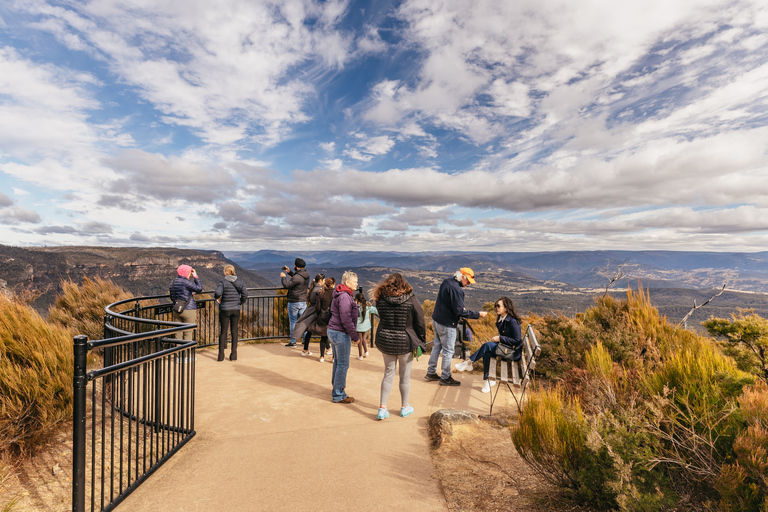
(747, 340)
(80, 308)
(649, 416)
(551, 437)
(36, 366)
(743, 486)
(563, 345)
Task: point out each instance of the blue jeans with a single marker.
(295, 309)
(342, 344)
(487, 351)
(445, 341)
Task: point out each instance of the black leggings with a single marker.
(324, 344)
(228, 320)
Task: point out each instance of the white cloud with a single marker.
(219, 68)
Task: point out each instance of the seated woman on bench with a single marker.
(508, 325)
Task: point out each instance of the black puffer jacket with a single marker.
(401, 320)
(232, 293)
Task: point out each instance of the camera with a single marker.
(286, 269)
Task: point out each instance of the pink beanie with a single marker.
(184, 270)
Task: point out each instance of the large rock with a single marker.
(442, 421)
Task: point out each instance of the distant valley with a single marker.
(567, 282)
(539, 283)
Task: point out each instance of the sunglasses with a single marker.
(498, 305)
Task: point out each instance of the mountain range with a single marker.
(555, 282)
(540, 282)
(582, 269)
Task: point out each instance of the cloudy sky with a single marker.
(517, 125)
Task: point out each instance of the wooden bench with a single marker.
(520, 369)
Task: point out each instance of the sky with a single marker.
(420, 125)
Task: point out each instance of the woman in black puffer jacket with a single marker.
(230, 294)
(400, 331)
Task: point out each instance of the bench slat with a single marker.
(515, 373)
(504, 376)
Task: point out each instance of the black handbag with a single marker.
(504, 352)
(180, 305)
(324, 317)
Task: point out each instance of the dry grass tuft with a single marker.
(35, 378)
(80, 308)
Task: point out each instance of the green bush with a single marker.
(650, 417)
(36, 366)
(743, 486)
(746, 336)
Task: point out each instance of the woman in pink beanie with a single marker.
(183, 288)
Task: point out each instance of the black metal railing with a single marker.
(264, 315)
(142, 400)
(141, 407)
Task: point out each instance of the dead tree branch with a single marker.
(618, 275)
(695, 307)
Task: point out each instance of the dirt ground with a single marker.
(480, 470)
(42, 483)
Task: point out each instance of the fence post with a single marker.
(80, 382)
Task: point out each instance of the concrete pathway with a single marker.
(269, 438)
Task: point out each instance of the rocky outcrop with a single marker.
(39, 271)
(442, 421)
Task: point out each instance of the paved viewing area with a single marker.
(269, 438)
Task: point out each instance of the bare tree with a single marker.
(618, 275)
(695, 307)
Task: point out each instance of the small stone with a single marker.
(56, 469)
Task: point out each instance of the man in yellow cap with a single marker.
(449, 309)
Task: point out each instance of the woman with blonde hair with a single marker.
(230, 294)
(401, 330)
(342, 330)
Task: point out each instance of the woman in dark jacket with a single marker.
(184, 288)
(230, 294)
(401, 330)
(342, 330)
(301, 330)
(508, 325)
(320, 327)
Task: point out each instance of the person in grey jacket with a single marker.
(230, 294)
(401, 330)
(297, 282)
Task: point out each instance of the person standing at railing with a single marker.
(320, 325)
(342, 330)
(184, 287)
(364, 312)
(301, 329)
(230, 293)
(296, 282)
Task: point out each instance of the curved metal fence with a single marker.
(142, 401)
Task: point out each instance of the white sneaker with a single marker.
(366, 354)
(464, 366)
(304, 354)
(322, 360)
(359, 358)
(486, 387)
